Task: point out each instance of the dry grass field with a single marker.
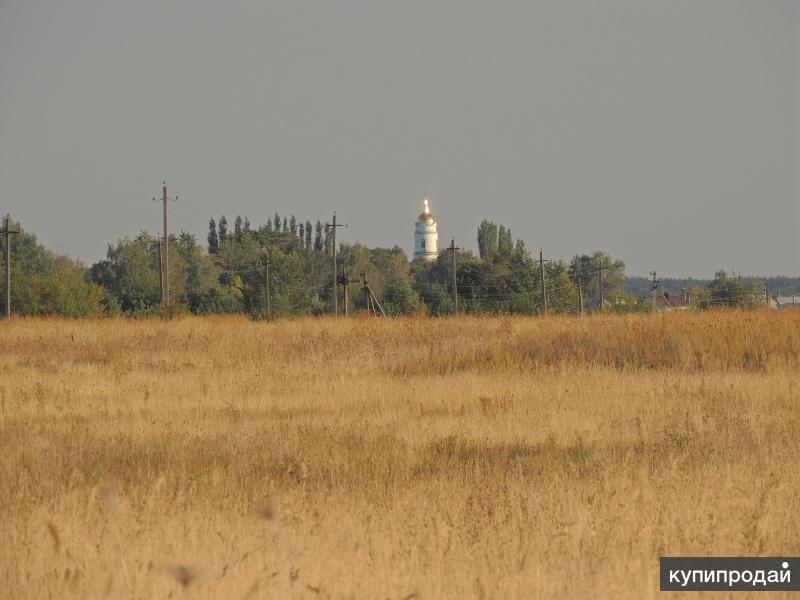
(410, 458)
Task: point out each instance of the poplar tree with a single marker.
(223, 230)
(487, 240)
(318, 238)
(505, 244)
(213, 238)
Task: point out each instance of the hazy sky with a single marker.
(665, 132)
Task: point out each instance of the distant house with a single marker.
(674, 302)
(784, 302)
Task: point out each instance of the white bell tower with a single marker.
(426, 237)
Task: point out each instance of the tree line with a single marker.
(283, 268)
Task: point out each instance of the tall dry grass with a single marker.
(411, 458)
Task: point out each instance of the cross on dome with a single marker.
(425, 234)
(426, 216)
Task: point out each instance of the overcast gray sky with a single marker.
(665, 132)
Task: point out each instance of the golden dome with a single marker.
(426, 216)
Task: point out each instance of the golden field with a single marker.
(407, 458)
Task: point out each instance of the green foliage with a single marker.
(44, 283)
(388, 273)
(222, 230)
(505, 244)
(487, 240)
(584, 270)
(130, 273)
(731, 292)
(494, 241)
(286, 264)
(213, 238)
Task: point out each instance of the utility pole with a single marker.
(346, 294)
(767, 298)
(367, 297)
(544, 286)
(160, 269)
(8, 233)
(333, 227)
(600, 280)
(165, 253)
(580, 294)
(453, 249)
(165, 249)
(654, 288)
(268, 241)
(266, 284)
(370, 299)
(345, 282)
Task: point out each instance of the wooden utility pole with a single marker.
(370, 299)
(165, 253)
(160, 269)
(346, 293)
(580, 294)
(367, 297)
(452, 250)
(8, 233)
(345, 283)
(544, 285)
(654, 289)
(767, 298)
(268, 241)
(600, 280)
(266, 284)
(165, 250)
(335, 303)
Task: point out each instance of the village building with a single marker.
(426, 236)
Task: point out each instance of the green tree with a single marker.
(318, 243)
(562, 292)
(213, 238)
(584, 270)
(728, 291)
(487, 240)
(223, 230)
(505, 244)
(45, 283)
(130, 273)
(309, 233)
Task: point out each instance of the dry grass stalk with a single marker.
(508, 457)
